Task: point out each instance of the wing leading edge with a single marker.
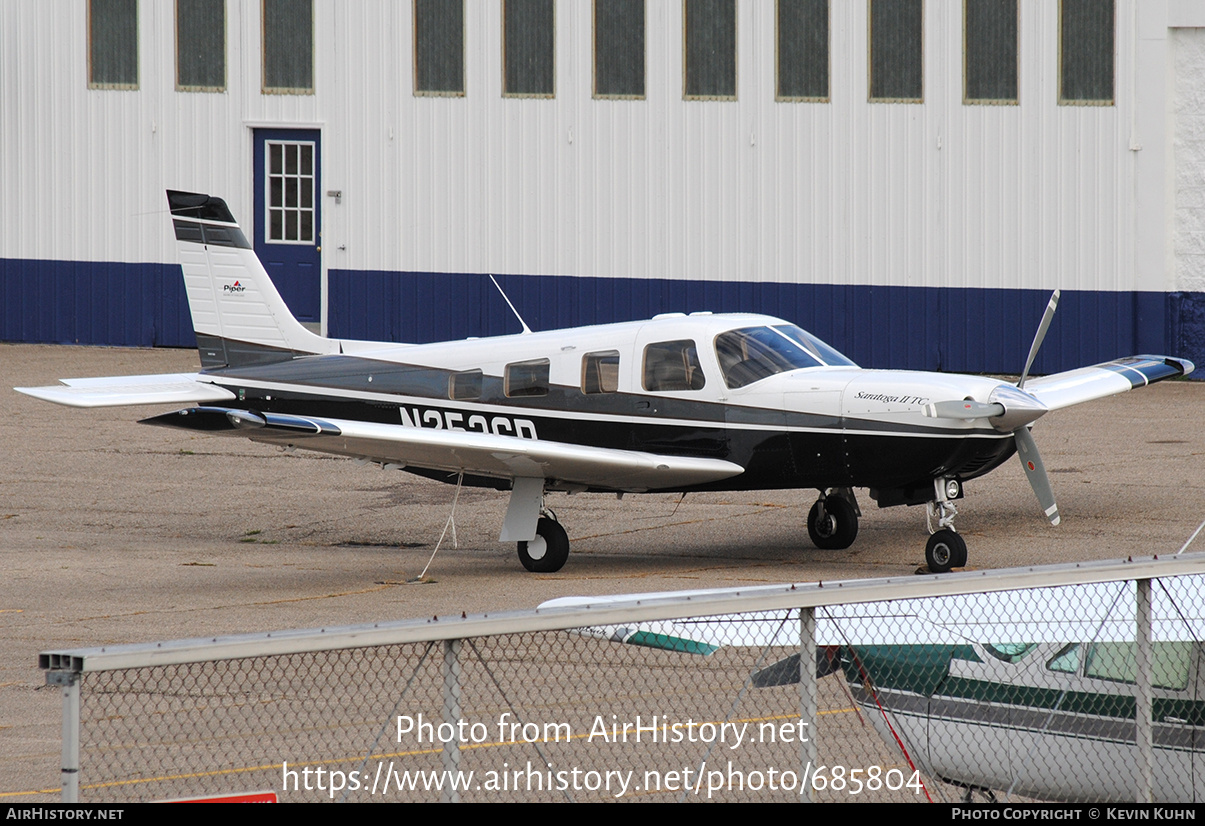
(505, 457)
(1090, 383)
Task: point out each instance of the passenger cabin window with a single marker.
(527, 378)
(754, 353)
(1010, 652)
(672, 365)
(464, 386)
(600, 372)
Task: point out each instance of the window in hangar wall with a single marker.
(1086, 34)
(113, 44)
(709, 49)
(619, 49)
(897, 51)
(989, 57)
(290, 192)
(201, 45)
(439, 47)
(288, 47)
(528, 48)
(802, 50)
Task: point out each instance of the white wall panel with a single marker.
(937, 194)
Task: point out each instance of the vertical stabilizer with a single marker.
(237, 314)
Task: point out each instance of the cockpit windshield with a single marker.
(753, 353)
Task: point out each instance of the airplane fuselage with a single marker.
(675, 403)
(823, 426)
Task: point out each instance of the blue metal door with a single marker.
(288, 218)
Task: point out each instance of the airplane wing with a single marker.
(115, 391)
(1088, 383)
(1087, 612)
(485, 454)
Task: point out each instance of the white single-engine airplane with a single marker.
(673, 404)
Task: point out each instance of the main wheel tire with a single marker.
(546, 553)
(945, 550)
(833, 526)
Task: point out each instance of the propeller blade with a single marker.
(966, 409)
(1037, 339)
(1035, 471)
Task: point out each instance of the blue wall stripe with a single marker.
(916, 328)
(919, 328)
(84, 302)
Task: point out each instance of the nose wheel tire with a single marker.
(832, 524)
(546, 553)
(944, 551)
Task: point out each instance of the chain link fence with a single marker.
(932, 688)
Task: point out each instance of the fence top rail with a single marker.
(661, 606)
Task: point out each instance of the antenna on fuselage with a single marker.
(526, 329)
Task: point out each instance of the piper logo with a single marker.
(236, 287)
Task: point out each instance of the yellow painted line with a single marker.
(37, 791)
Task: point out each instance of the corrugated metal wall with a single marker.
(913, 235)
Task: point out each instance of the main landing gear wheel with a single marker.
(945, 550)
(832, 523)
(546, 553)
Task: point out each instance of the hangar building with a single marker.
(908, 179)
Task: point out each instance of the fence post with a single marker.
(69, 682)
(808, 698)
(451, 749)
(1143, 699)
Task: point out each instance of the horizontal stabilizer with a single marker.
(1089, 383)
(485, 454)
(116, 391)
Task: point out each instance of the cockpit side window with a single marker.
(1067, 660)
(672, 365)
(1170, 663)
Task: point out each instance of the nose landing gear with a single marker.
(945, 548)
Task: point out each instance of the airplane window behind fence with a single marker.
(1170, 663)
(672, 365)
(527, 378)
(1010, 652)
(466, 385)
(1067, 660)
(600, 372)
